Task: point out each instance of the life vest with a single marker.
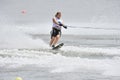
(56, 25)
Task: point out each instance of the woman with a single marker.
(56, 29)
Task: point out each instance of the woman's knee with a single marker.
(58, 36)
(53, 38)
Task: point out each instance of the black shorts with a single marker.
(55, 32)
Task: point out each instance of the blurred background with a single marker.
(80, 13)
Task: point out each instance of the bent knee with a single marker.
(53, 38)
(58, 36)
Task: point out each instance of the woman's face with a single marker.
(59, 16)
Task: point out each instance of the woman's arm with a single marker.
(59, 24)
(64, 25)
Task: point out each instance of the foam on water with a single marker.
(14, 58)
(92, 51)
(14, 37)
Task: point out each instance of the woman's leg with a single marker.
(52, 40)
(56, 39)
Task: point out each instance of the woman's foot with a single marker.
(53, 46)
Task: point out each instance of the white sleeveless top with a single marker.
(55, 25)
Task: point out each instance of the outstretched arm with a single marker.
(62, 24)
(59, 24)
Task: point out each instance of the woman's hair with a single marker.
(57, 14)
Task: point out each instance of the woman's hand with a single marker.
(60, 24)
(65, 27)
